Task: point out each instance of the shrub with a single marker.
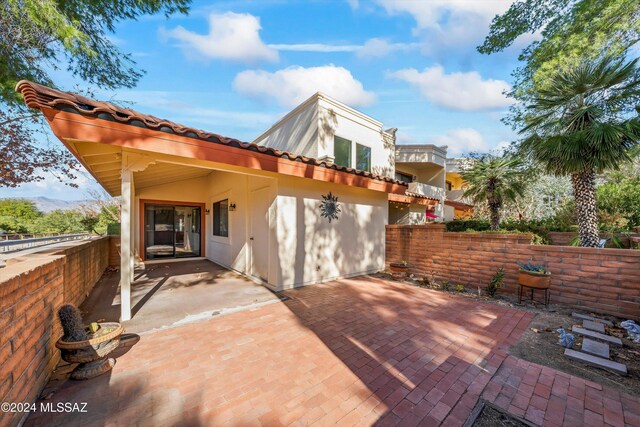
(445, 285)
(495, 283)
(467, 225)
(460, 288)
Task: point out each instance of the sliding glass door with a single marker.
(172, 231)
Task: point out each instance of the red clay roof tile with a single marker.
(38, 96)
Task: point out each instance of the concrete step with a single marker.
(597, 336)
(593, 319)
(595, 348)
(607, 364)
(593, 326)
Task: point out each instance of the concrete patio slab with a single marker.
(171, 294)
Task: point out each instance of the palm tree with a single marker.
(495, 180)
(582, 123)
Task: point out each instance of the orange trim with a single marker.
(68, 125)
(141, 223)
(401, 198)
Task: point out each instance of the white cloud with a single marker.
(292, 85)
(449, 21)
(377, 48)
(428, 14)
(457, 91)
(315, 47)
(232, 36)
(461, 141)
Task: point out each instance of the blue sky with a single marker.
(235, 67)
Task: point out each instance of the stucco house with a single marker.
(265, 209)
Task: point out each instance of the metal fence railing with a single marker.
(7, 246)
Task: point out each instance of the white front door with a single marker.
(259, 233)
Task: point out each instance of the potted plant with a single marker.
(399, 267)
(87, 346)
(534, 276)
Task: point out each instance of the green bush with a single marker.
(113, 229)
(461, 225)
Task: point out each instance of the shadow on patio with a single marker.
(420, 356)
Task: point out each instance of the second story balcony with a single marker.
(426, 190)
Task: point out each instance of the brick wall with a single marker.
(599, 280)
(31, 290)
(114, 251)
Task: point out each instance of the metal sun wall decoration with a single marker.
(329, 207)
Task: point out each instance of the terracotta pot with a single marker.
(534, 279)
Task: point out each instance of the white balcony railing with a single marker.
(426, 190)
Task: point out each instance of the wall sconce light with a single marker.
(207, 211)
(232, 206)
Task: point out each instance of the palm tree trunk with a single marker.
(584, 191)
(494, 215)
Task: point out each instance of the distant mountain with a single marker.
(45, 204)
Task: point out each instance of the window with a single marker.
(404, 177)
(221, 218)
(363, 158)
(342, 151)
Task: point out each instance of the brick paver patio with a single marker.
(354, 352)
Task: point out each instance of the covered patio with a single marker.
(170, 294)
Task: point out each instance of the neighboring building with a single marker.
(456, 205)
(422, 167)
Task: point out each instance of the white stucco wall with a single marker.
(309, 130)
(310, 249)
(297, 132)
(299, 246)
(361, 129)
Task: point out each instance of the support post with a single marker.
(130, 163)
(126, 242)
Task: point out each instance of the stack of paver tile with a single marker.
(595, 344)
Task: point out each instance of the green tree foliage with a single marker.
(38, 37)
(620, 201)
(17, 215)
(22, 216)
(494, 181)
(58, 221)
(579, 124)
(572, 31)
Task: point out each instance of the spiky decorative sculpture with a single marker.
(71, 321)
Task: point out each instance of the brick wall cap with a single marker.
(593, 251)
